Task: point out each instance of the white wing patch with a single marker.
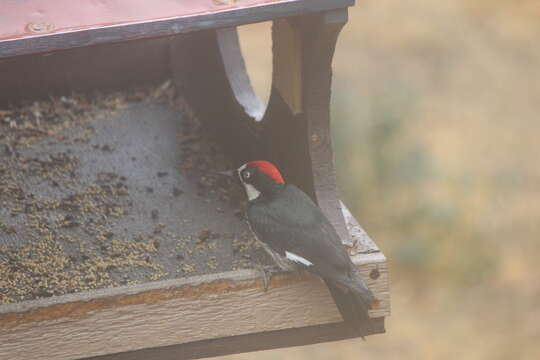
(297, 259)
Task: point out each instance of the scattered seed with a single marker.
(204, 234)
(177, 192)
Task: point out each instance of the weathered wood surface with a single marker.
(245, 343)
(173, 312)
(47, 25)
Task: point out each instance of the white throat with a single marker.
(251, 192)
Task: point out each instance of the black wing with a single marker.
(292, 223)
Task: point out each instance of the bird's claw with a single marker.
(268, 272)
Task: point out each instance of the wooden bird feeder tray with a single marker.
(118, 239)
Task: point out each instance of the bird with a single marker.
(298, 236)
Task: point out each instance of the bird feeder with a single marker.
(118, 237)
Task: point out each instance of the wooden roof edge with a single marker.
(168, 26)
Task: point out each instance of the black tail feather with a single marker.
(353, 309)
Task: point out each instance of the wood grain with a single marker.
(287, 77)
(165, 25)
(244, 343)
(173, 312)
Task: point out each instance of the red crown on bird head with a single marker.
(268, 168)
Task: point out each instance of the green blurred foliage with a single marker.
(387, 170)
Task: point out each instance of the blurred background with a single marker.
(435, 122)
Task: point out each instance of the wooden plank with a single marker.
(287, 62)
(244, 343)
(172, 312)
(34, 17)
(359, 241)
(82, 27)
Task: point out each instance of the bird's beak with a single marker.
(229, 173)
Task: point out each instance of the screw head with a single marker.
(39, 27)
(374, 274)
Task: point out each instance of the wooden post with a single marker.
(297, 122)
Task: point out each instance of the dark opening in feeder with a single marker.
(115, 224)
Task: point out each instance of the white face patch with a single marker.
(297, 259)
(251, 192)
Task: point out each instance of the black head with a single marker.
(260, 177)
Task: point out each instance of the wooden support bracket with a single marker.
(297, 122)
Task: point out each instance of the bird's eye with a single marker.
(246, 174)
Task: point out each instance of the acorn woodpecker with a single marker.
(297, 235)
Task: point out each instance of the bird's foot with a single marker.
(268, 272)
